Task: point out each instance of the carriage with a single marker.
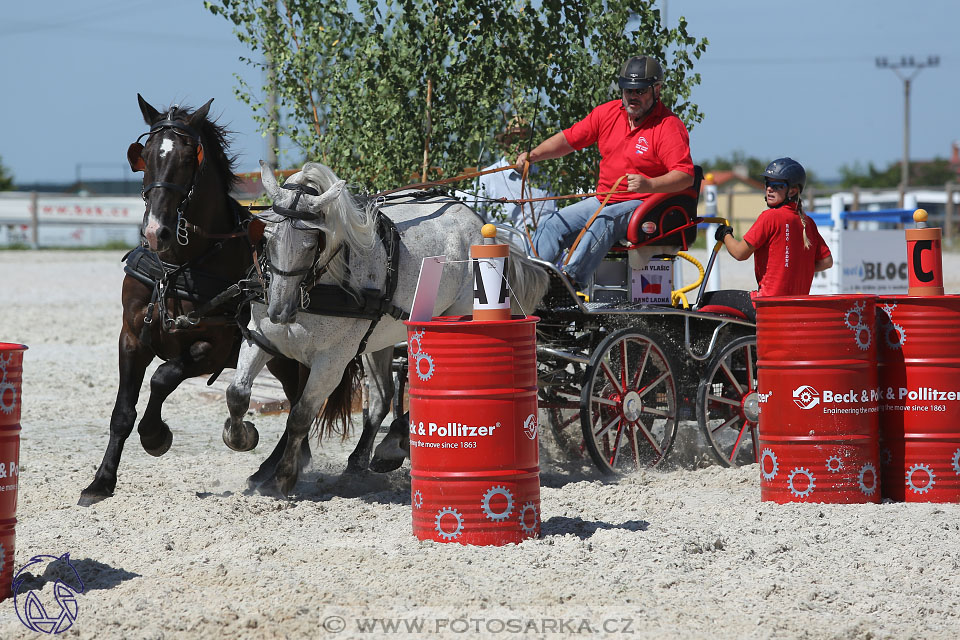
(621, 369)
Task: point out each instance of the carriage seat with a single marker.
(666, 219)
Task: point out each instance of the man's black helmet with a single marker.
(639, 72)
(788, 170)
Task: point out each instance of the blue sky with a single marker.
(794, 79)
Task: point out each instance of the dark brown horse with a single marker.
(182, 292)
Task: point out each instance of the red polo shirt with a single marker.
(783, 266)
(659, 145)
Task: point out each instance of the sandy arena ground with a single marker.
(182, 552)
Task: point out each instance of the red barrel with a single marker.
(474, 448)
(11, 378)
(919, 362)
(818, 398)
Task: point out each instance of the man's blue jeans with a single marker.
(557, 231)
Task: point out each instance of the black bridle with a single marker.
(313, 272)
(184, 130)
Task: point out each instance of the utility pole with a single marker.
(273, 141)
(906, 62)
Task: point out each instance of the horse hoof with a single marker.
(86, 501)
(88, 498)
(157, 450)
(356, 468)
(389, 454)
(243, 438)
(272, 489)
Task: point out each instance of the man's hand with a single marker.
(723, 231)
(521, 160)
(638, 183)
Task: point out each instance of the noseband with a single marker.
(181, 129)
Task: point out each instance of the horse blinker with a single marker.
(135, 157)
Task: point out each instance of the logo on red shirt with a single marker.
(642, 145)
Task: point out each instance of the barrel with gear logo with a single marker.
(819, 421)
(918, 338)
(11, 377)
(474, 438)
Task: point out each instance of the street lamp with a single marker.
(906, 62)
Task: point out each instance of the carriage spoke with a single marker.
(635, 449)
(650, 438)
(624, 365)
(611, 377)
(729, 422)
(648, 388)
(566, 423)
(657, 412)
(604, 401)
(732, 378)
(736, 445)
(751, 363)
(616, 446)
(605, 429)
(722, 400)
(643, 365)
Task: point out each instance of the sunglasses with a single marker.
(640, 92)
(776, 185)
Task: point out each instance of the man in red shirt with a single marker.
(644, 149)
(785, 243)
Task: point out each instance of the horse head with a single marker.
(295, 234)
(172, 161)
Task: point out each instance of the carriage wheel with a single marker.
(727, 408)
(628, 409)
(561, 403)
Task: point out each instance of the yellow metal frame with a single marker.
(679, 297)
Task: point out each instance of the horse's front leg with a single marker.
(379, 380)
(239, 434)
(292, 376)
(133, 361)
(155, 434)
(302, 415)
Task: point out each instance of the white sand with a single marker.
(180, 552)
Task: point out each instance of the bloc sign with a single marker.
(491, 295)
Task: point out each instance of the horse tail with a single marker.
(334, 417)
(528, 281)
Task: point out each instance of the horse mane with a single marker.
(349, 220)
(216, 140)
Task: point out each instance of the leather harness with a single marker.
(337, 301)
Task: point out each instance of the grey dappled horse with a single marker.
(316, 226)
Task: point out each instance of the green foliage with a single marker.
(934, 173)
(6, 178)
(403, 85)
